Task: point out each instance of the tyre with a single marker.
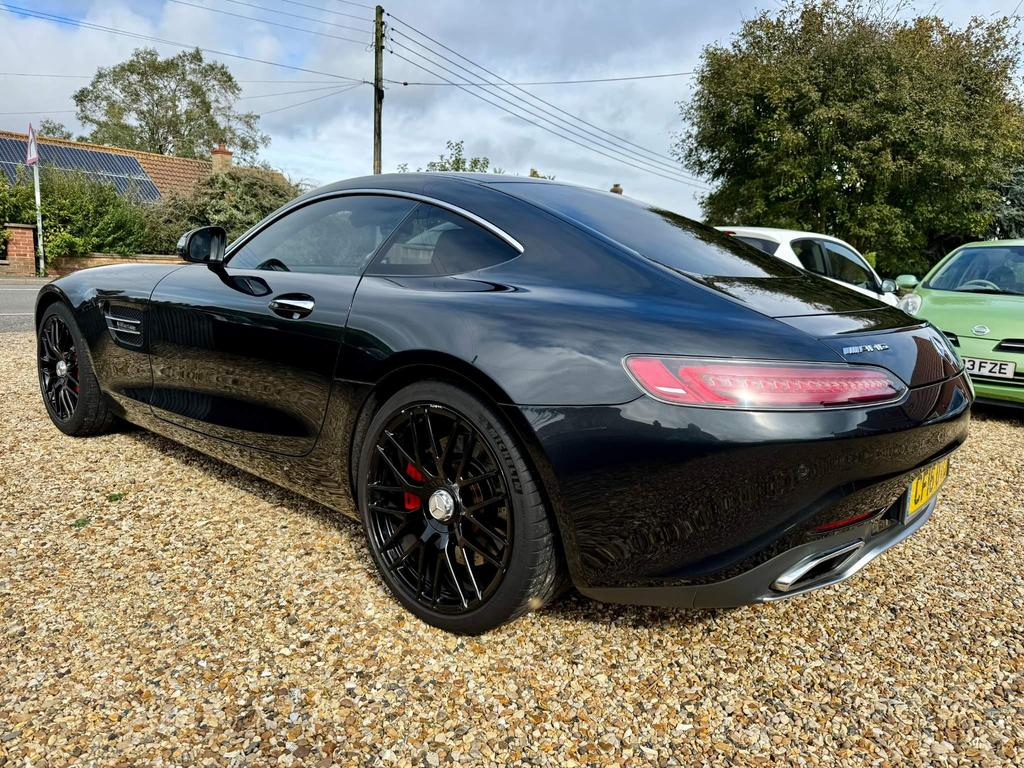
(71, 393)
(455, 521)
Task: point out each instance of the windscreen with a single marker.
(655, 233)
(988, 269)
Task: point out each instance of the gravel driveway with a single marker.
(161, 608)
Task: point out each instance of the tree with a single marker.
(1008, 221)
(843, 118)
(456, 160)
(180, 105)
(54, 129)
(235, 199)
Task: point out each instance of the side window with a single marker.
(811, 257)
(762, 244)
(847, 266)
(433, 241)
(336, 236)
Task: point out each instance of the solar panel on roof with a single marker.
(123, 171)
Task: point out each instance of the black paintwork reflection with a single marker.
(918, 356)
(321, 474)
(801, 294)
(226, 366)
(657, 493)
(884, 318)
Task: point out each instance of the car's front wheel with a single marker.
(71, 393)
(455, 521)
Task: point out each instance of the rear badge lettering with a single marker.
(865, 348)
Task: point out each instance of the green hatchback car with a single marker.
(975, 295)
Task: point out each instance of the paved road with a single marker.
(17, 303)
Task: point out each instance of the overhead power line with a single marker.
(542, 127)
(334, 88)
(292, 92)
(270, 23)
(567, 82)
(90, 77)
(310, 101)
(325, 10)
(552, 119)
(14, 9)
(40, 112)
(655, 157)
(307, 18)
(358, 5)
(621, 154)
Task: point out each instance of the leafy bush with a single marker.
(235, 199)
(81, 214)
(84, 215)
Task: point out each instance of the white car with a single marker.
(824, 255)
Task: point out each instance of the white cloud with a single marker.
(330, 138)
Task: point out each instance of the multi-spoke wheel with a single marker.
(58, 367)
(70, 391)
(454, 520)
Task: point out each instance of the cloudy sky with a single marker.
(330, 138)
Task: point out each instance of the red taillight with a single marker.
(755, 385)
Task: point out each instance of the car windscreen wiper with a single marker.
(1000, 291)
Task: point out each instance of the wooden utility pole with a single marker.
(378, 83)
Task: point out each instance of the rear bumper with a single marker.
(648, 494)
(797, 571)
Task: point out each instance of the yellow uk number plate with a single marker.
(925, 486)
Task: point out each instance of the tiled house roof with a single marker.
(168, 173)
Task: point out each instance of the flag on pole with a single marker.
(32, 151)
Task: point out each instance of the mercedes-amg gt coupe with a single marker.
(519, 385)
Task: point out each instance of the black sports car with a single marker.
(515, 383)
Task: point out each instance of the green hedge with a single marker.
(83, 215)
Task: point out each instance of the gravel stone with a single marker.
(208, 618)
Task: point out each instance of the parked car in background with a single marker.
(975, 295)
(821, 254)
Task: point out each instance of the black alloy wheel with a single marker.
(58, 368)
(71, 393)
(455, 523)
(439, 508)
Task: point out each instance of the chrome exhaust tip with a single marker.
(819, 566)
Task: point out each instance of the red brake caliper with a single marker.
(412, 501)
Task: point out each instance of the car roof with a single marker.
(991, 244)
(413, 182)
(777, 234)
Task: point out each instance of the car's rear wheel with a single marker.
(71, 393)
(455, 521)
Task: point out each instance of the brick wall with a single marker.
(67, 264)
(21, 251)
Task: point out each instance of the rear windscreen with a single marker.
(760, 243)
(660, 235)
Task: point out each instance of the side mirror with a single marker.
(889, 286)
(204, 245)
(907, 282)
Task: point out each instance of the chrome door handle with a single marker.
(292, 307)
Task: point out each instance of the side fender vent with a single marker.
(124, 324)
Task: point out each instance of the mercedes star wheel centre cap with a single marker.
(62, 368)
(441, 505)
